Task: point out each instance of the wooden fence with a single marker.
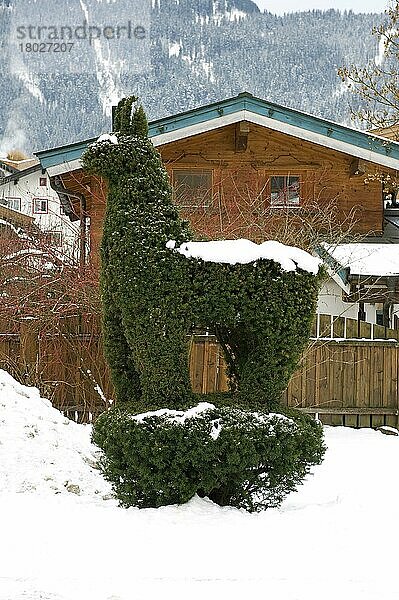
(341, 327)
(351, 382)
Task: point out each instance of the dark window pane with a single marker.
(14, 203)
(53, 238)
(284, 191)
(40, 206)
(277, 190)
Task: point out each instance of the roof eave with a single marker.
(356, 143)
(20, 174)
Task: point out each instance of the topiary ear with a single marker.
(118, 113)
(126, 115)
(139, 122)
(130, 124)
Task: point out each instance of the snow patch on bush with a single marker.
(106, 137)
(176, 416)
(179, 417)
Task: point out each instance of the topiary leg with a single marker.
(124, 375)
(163, 363)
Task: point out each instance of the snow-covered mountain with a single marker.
(196, 51)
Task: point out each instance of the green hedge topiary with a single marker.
(262, 315)
(152, 295)
(235, 457)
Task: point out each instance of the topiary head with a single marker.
(120, 153)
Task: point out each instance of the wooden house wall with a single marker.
(97, 213)
(240, 205)
(241, 181)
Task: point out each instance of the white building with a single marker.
(364, 283)
(29, 191)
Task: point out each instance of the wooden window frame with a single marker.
(34, 209)
(49, 234)
(194, 170)
(14, 198)
(285, 202)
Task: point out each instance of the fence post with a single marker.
(29, 356)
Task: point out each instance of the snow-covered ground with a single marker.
(63, 538)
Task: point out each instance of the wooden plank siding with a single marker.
(241, 189)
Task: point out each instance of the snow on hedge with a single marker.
(40, 449)
(244, 251)
(180, 417)
(177, 416)
(106, 137)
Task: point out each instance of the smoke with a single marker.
(14, 136)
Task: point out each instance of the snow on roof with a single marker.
(244, 251)
(367, 259)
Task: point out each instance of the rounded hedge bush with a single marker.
(245, 459)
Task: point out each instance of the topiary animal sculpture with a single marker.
(156, 284)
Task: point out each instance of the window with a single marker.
(285, 190)
(40, 206)
(192, 189)
(53, 238)
(43, 181)
(13, 203)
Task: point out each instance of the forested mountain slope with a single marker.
(199, 51)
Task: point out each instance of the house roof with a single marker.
(372, 260)
(246, 107)
(14, 217)
(6, 167)
(391, 132)
(24, 163)
(19, 174)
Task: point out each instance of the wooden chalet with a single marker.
(242, 166)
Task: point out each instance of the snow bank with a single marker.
(244, 251)
(335, 538)
(41, 450)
